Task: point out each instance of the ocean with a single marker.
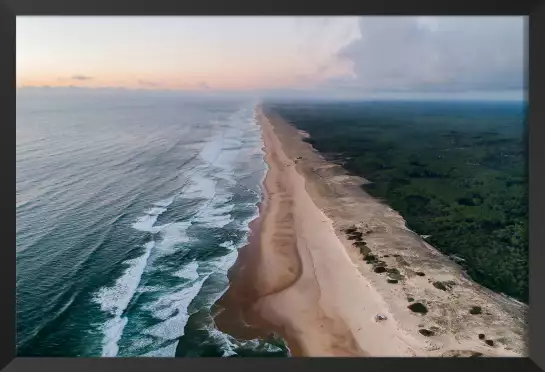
(130, 209)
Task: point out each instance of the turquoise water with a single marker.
(130, 210)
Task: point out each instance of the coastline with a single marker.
(235, 313)
(299, 276)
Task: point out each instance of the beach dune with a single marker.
(304, 279)
(312, 288)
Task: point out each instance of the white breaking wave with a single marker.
(189, 271)
(146, 222)
(201, 187)
(217, 213)
(173, 308)
(166, 351)
(211, 183)
(115, 300)
(172, 234)
(230, 344)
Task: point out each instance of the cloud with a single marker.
(80, 77)
(321, 39)
(203, 85)
(442, 54)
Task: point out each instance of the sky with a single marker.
(343, 57)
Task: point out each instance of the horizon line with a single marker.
(302, 94)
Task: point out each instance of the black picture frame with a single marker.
(535, 10)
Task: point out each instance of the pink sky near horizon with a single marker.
(341, 56)
(195, 53)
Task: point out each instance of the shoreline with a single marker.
(235, 314)
(299, 276)
(304, 288)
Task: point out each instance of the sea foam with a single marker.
(211, 182)
(116, 298)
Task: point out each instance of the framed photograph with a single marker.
(273, 186)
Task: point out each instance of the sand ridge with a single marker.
(311, 286)
(306, 278)
(456, 331)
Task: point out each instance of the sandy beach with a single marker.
(303, 276)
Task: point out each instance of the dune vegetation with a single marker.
(456, 171)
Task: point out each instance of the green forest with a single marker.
(454, 170)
